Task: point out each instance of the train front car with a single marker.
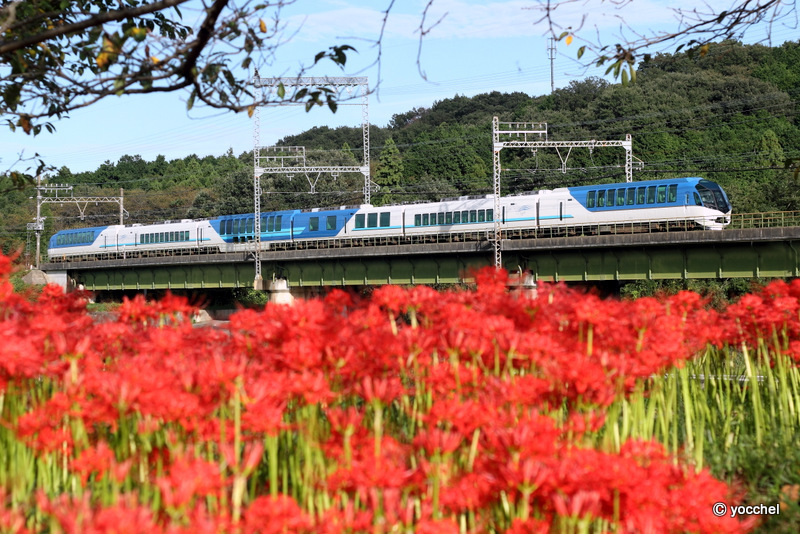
(652, 205)
(714, 199)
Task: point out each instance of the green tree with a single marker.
(388, 173)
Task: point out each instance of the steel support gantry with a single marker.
(533, 135)
(265, 158)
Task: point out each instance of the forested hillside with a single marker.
(730, 116)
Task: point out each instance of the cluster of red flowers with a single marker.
(411, 411)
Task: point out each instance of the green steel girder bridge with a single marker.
(763, 245)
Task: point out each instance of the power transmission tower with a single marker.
(551, 52)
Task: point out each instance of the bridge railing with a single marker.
(765, 220)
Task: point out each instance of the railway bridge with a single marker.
(754, 245)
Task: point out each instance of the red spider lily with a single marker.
(437, 526)
(276, 515)
(101, 460)
(423, 405)
(77, 515)
(11, 520)
(189, 478)
(528, 526)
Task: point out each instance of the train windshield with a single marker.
(713, 196)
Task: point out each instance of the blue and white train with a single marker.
(686, 203)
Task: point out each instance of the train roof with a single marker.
(662, 181)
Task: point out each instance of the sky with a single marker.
(476, 47)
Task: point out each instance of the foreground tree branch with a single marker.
(696, 29)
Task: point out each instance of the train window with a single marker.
(456, 217)
(433, 218)
(697, 201)
(661, 197)
(481, 216)
(235, 226)
(271, 224)
(163, 238)
(620, 197)
(425, 219)
(610, 197)
(372, 220)
(601, 199)
(187, 235)
(590, 199)
(672, 195)
(278, 223)
(330, 222)
(264, 223)
(651, 194)
(448, 217)
(313, 224)
(464, 216)
(473, 216)
(440, 218)
(631, 200)
(250, 224)
(385, 219)
(360, 220)
(640, 195)
(417, 220)
(229, 226)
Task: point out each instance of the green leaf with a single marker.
(581, 50)
(190, 102)
(229, 77)
(281, 90)
(624, 77)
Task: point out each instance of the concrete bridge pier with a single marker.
(279, 292)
